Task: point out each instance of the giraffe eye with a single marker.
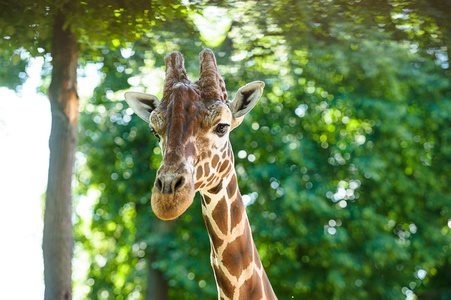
(221, 129)
(155, 134)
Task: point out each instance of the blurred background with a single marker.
(344, 163)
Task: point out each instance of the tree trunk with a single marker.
(58, 238)
(442, 16)
(157, 285)
(446, 29)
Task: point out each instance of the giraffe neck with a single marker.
(237, 267)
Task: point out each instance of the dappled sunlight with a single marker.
(213, 24)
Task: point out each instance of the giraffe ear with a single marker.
(245, 99)
(142, 104)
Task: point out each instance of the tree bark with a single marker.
(157, 285)
(58, 238)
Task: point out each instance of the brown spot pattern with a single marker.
(217, 242)
(236, 255)
(210, 179)
(197, 185)
(203, 156)
(206, 199)
(216, 189)
(224, 147)
(214, 161)
(251, 288)
(207, 169)
(224, 166)
(236, 212)
(199, 172)
(221, 213)
(231, 188)
(228, 169)
(223, 282)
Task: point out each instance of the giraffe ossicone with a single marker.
(192, 122)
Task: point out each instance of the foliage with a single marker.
(345, 160)
(26, 28)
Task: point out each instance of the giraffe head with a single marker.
(192, 122)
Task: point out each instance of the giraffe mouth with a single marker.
(168, 207)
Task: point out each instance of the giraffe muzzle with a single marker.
(173, 193)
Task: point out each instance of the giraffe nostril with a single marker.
(158, 184)
(179, 182)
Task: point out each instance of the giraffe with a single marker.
(192, 123)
